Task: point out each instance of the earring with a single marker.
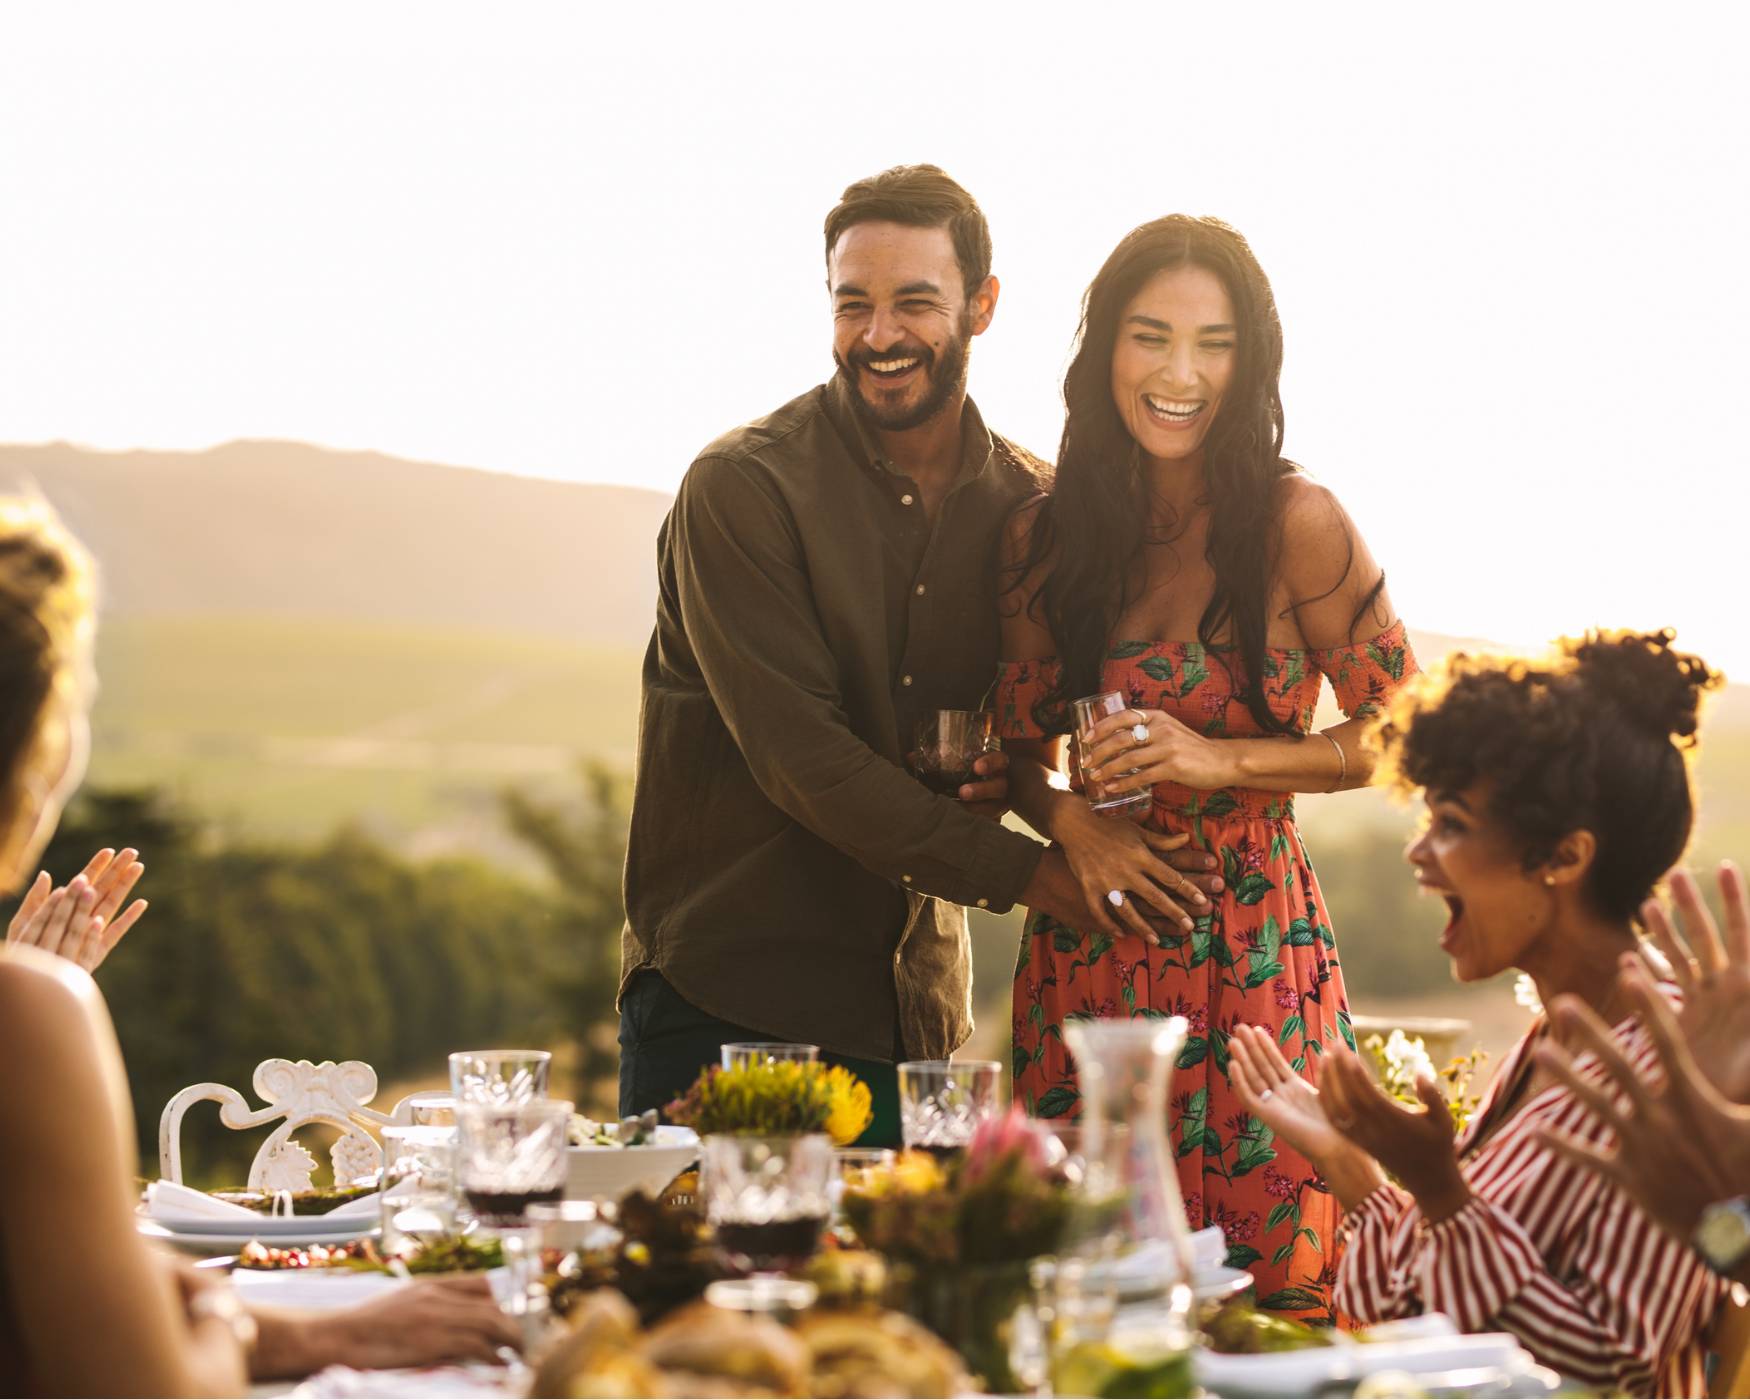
(1550, 880)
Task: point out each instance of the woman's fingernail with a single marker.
(1218, 884)
(1186, 924)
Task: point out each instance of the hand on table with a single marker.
(79, 920)
(1714, 974)
(1680, 1145)
(429, 1321)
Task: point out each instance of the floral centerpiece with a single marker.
(959, 1235)
(1403, 1059)
(782, 1098)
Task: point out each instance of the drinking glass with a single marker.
(499, 1076)
(768, 1199)
(946, 745)
(739, 1053)
(419, 1186)
(510, 1156)
(1089, 711)
(432, 1108)
(942, 1102)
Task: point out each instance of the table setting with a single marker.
(746, 1247)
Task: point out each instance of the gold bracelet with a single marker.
(1342, 760)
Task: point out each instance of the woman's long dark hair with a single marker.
(1090, 534)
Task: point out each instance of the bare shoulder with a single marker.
(43, 995)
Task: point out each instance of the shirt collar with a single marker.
(977, 447)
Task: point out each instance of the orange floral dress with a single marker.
(1264, 956)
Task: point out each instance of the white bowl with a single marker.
(611, 1173)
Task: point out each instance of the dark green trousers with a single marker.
(665, 1041)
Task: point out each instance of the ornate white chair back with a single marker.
(299, 1093)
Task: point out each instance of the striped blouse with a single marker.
(1544, 1249)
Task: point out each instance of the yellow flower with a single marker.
(848, 1107)
(918, 1173)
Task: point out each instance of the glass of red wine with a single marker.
(768, 1199)
(946, 745)
(509, 1157)
(942, 1102)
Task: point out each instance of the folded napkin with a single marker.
(171, 1203)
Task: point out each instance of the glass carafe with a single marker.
(1125, 1069)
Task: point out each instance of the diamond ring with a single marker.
(1115, 898)
(1139, 732)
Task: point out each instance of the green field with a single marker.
(292, 728)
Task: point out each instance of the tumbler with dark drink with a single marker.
(947, 743)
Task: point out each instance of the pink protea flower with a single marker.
(1286, 997)
(998, 1138)
(1194, 1210)
(1248, 1228)
(1199, 1019)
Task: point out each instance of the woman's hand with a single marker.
(429, 1321)
(1171, 753)
(1269, 1089)
(1416, 1145)
(1109, 855)
(1714, 974)
(1680, 1145)
(79, 920)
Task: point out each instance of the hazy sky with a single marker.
(582, 240)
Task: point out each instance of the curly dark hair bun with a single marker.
(1593, 738)
(1655, 684)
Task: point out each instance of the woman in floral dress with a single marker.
(1182, 561)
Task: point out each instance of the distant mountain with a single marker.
(287, 529)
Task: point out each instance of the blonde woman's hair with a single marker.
(48, 598)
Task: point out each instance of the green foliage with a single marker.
(581, 843)
(775, 1099)
(343, 950)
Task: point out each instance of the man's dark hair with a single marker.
(920, 196)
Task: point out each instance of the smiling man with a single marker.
(827, 579)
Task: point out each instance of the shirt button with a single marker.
(905, 680)
(920, 590)
(896, 959)
(906, 878)
(905, 500)
(984, 904)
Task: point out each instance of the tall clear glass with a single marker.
(419, 1186)
(499, 1076)
(942, 1102)
(1125, 1071)
(1089, 711)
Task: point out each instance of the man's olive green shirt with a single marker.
(784, 871)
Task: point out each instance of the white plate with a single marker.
(266, 1227)
(206, 1242)
(1215, 1285)
(1307, 1372)
(311, 1288)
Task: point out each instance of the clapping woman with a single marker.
(1556, 795)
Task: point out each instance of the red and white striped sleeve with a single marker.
(1374, 1282)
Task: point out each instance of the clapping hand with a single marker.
(1680, 1145)
(79, 920)
(1714, 974)
(1416, 1145)
(1269, 1089)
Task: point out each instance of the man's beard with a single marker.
(944, 375)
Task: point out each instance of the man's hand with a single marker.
(79, 920)
(1680, 1145)
(989, 796)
